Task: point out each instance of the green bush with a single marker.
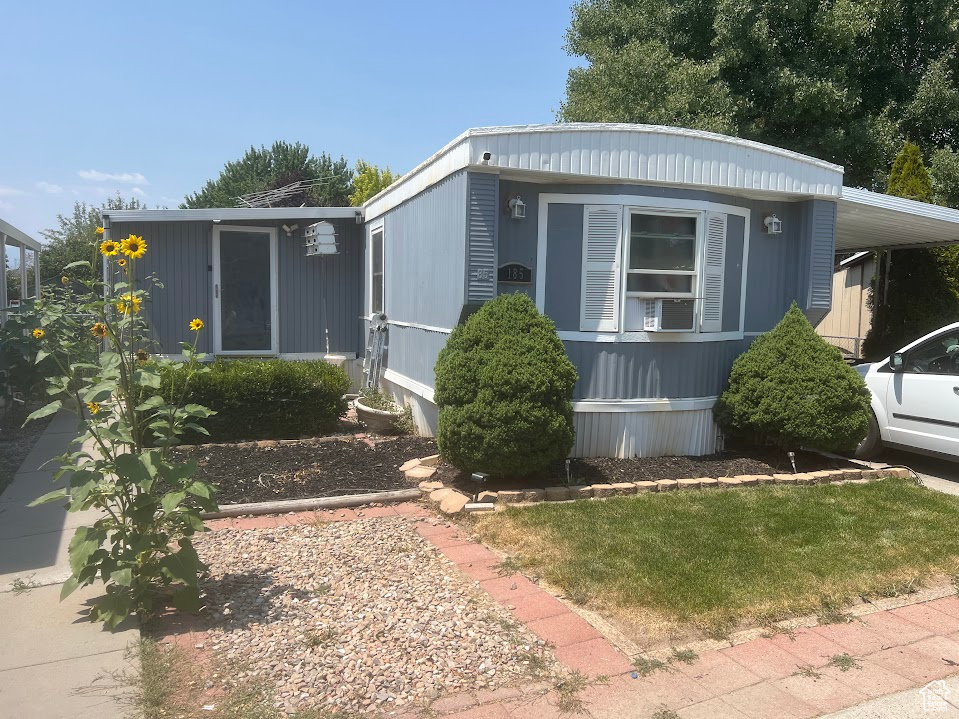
(792, 389)
(269, 399)
(504, 388)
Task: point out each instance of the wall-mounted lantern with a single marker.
(517, 208)
(774, 226)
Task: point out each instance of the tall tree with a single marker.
(268, 169)
(74, 238)
(370, 180)
(923, 284)
(841, 80)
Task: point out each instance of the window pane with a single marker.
(377, 298)
(661, 242)
(658, 283)
(377, 253)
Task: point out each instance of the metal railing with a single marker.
(851, 347)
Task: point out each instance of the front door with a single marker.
(922, 401)
(244, 291)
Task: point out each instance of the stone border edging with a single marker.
(452, 501)
(283, 506)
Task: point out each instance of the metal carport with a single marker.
(11, 236)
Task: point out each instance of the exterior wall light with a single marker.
(517, 208)
(774, 226)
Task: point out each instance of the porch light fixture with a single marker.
(517, 208)
(774, 226)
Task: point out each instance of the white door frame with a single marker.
(274, 292)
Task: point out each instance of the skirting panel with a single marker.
(644, 434)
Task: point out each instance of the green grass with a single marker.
(715, 559)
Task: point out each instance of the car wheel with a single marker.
(871, 444)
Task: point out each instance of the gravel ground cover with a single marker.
(251, 472)
(592, 470)
(360, 616)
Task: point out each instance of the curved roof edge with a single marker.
(621, 152)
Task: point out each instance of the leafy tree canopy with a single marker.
(370, 180)
(842, 80)
(282, 164)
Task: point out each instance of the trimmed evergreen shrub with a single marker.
(269, 399)
(504, 388)
(792, 389)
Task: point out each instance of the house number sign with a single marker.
(515, 273)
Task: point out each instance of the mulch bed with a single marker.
(16, 441)
(319, 468)
(596, 470)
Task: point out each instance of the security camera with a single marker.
(486, 157)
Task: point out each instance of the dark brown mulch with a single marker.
(16, 441)
(306, 469)
(596, 470)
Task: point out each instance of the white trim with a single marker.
(644, 405)
(573, 336)
(641, 202)
(348, 356)
(376, 226)
(274, 292)
(19, 236)
(647, 154)
(412, 385)
(418, 326)
(220, 214)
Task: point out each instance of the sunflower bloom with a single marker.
(196, 325)
(94, 407)
(99, 330)
(128, 303)
(108, 248)
(64, 280)
(122, 262)
(142, 356)
(99, 230)
(38, 333)
(134, 246)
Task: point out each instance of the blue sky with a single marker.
(153, 98)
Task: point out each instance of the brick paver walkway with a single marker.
(894, 650)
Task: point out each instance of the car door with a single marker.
(922, 400)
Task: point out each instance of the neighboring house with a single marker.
(660, 253)
(849, 320)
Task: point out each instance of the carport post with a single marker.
(885, 289)
(23, 273)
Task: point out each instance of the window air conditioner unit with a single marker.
(668, 315)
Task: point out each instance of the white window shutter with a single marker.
(714, 261)
(602, 250)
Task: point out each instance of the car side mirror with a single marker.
(897, 362)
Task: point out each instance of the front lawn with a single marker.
(718, 559)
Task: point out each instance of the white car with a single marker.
(915, 397)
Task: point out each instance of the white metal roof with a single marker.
(227, 214)
(623, 152)
(18, 236)
(870, 220)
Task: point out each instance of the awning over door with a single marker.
(873, 221)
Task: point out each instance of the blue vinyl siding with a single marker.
(412, 352)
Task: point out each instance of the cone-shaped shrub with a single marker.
(504, 388)
(792, 389)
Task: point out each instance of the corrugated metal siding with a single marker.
(412, 352)
(180, 255)
(774, 275)
(644, 434)
(822, 252)
(481, 237)
(637, 370)
(305, 281)
(425, 255)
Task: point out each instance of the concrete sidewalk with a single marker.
(53, 661)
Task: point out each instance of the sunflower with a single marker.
(94, 407)
(109, 248)
(99, 330)
(64, 280)
(134, 246)
(122, 262)
(99, 230)
(196, 325)
(142, 356)
(128, 302)
(38, 333)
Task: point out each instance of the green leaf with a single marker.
(123, 577)
(200, 489)
(109, 360)
(41, 355)
(86, 541)
(171, 500)
(132, 467)
(197, 410)
(69, 587)
(78, 263)
(53, 496)
(147, 378)
(100, 392)
(183, 565)
(154, 402)
(45, 411)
